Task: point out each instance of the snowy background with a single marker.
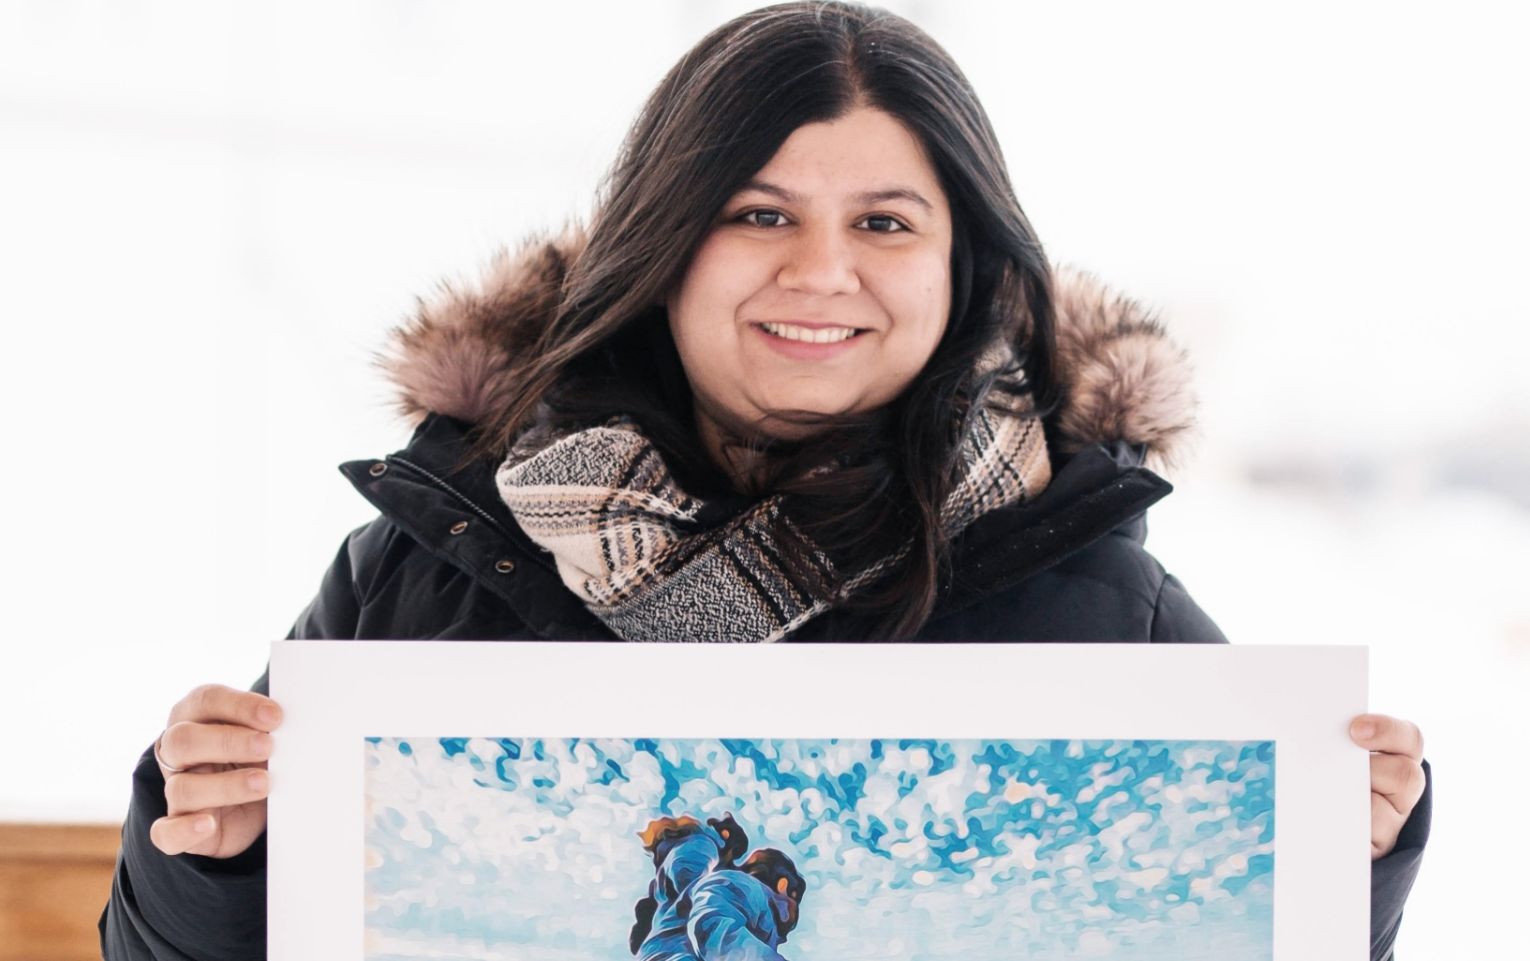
(211, 212)
(500, 848)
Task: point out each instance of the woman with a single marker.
(807, 376)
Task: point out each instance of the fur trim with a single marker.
(453, 356)
(1121, 376)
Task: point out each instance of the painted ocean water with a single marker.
(530, 849)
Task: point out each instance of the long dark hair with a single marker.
(715, 120)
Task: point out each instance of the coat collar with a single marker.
(459, 517)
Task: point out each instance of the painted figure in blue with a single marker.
(745, 914)
(683, 850)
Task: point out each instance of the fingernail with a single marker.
(257, 780)
(1364, 729)
(203, 825)
(261, 745)
(268, 715)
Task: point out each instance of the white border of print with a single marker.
(334, 693)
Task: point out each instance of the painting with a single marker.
(541, 834)
(562, 848)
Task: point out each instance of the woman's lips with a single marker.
(806, 350)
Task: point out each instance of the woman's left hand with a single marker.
(1397, 774)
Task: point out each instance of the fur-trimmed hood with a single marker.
(1121, 376)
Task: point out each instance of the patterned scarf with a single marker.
(627, 540)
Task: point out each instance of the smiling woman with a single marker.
(806, 376)
(808, 279)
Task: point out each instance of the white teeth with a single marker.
(824, 335)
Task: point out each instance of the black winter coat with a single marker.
(445, 559)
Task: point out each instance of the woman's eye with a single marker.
(750, 218)
(883, 224)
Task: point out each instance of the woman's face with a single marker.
(826, 282)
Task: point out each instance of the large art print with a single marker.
(668, 802)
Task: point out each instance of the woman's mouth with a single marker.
(809, 335)
(802, 342)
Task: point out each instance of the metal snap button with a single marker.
(505, 566)
(459, 527)
(378, 469)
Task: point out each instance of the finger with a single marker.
(1388, 734)
(1386, 825)
(214, 703)
(177, 835)
(187, 744)
(1399, 779)
(188, 793)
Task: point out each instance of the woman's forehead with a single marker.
(864, 152)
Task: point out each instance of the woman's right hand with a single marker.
(219, 738)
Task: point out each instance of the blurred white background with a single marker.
(211, 213)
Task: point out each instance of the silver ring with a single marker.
(161, 761)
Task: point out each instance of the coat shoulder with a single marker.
(1111, 591)
(383, 584)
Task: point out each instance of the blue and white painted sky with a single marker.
(487, 849)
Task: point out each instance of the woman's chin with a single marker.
(786, 415)
(800, 419)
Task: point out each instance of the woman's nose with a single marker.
(820, 260)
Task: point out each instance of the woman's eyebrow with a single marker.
(864, 197)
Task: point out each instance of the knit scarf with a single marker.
(626, 539)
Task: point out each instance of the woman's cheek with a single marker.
(924, 309)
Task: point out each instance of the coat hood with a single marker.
(1121, 376)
